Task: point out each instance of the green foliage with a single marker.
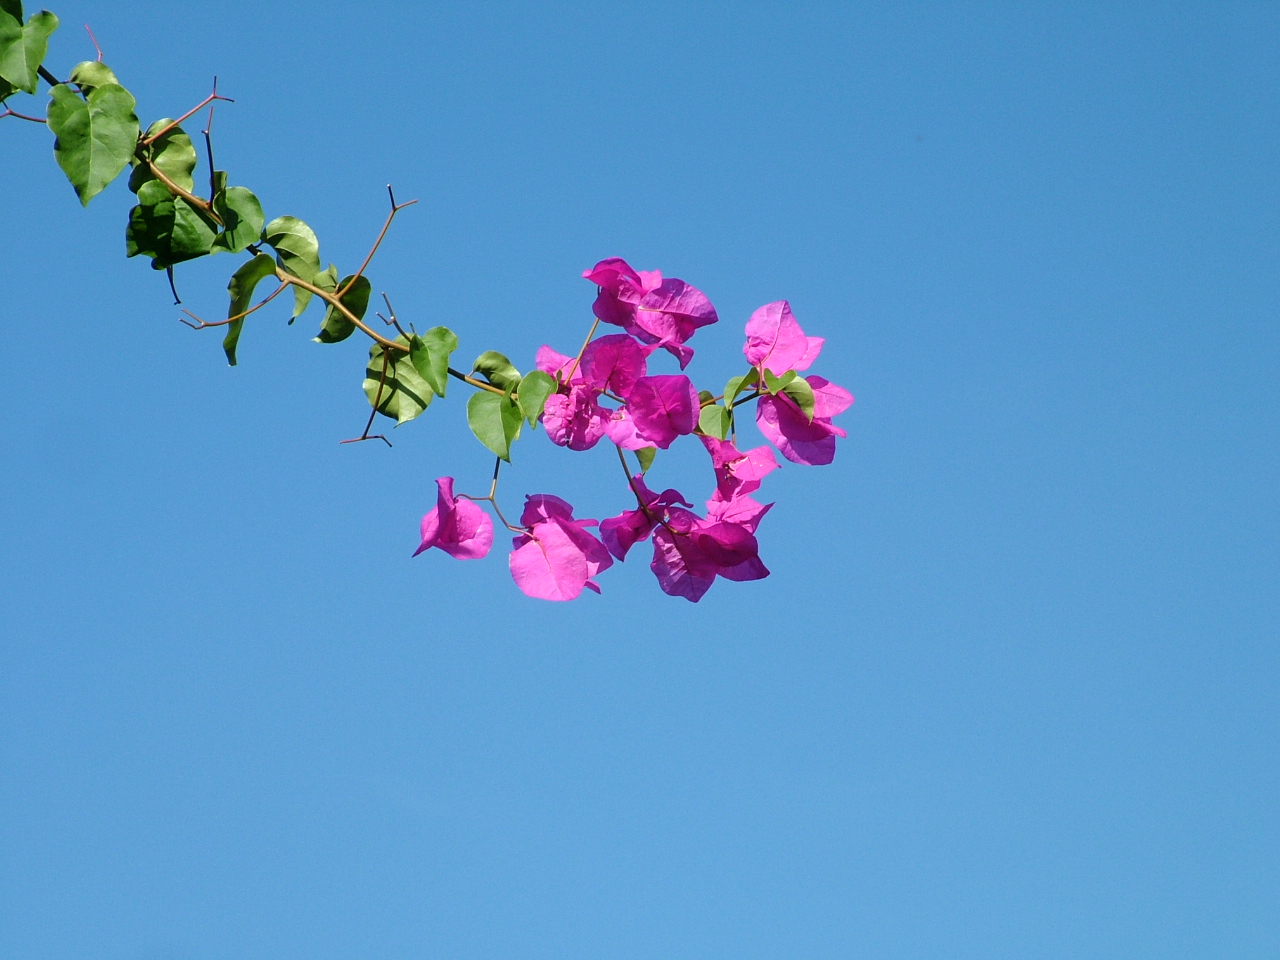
(173, 154)
(394, 387)
(91, 74)
(535, 388)
(715, 421)
(167, 228)
(774, 384)
(298, 252)
(95, 137)
(495, 420)
(337, 326)
(497, 369)
(241, 288)
(22, 47)
(430, 355)
(645, 455)
(737, 384)
(800, 391)
(240, 213)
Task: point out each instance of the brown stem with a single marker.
(374, 412)
(341, 307)
(644, 507)
(191, 198)
(574, 366)
(492, 500)
(395, 208)
(147, 141)
(480, 383)
(201, 324)
(20, 116)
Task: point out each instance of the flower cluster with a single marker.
(607, 393)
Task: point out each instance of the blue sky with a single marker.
(1011, 690)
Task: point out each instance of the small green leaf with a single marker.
(715, 421)
(430, 354)
(22, 50)
(13, 8)
(705, 397)
(774, 384)
(398, 391)
(298, 252)
(495, 421)
(150, 229)
(241, 216)
(13, 53)
(798, 389)
(497, 369)
(336, 325)
(192, 236)
(173, 154)
(90, 75)
(533, 392)
(645, 455)
(241, 288)
(95, 139)
(737, 384)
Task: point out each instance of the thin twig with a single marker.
(492, 499)
(374, 412)
(191, 198)
(393, 322)
(201, 324)
(333, 301)
(208, 149)
(21, 116)
(574, 366)
(395, 208)
(95, 41)
(48, 77)
(480, 383)
(147, 141)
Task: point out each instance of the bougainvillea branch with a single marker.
(605, 392)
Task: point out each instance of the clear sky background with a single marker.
(1011, 690)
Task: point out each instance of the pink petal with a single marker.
(741, 510)
(621, 429)
(539, 507)
(551, 362)
(678, 567)
(664, 407)
(575, 420)
(614, 363)
(458, 527)
(797, 439)
(775, 339)
(828, 399)
(622, 532)
(548, 565)
(738, 473)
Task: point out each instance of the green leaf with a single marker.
(430, 354)
(497, 369)
(95, 139)
(400, 393)
(715, 421)
(737, 384)
(336, 325)
(774, 384)
(645, 455)
(534, 390)
(13, 8)
(241, 288)
(192, 236)
(705, 397)
(241, 216)
(298, 251)
(22, 49)
(174, 155)
(799, 390)
(91, 74)
(150, 228)
(7, 90)
(495, 421)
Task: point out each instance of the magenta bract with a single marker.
(458, 527)
(665, 313)
(664, 407)
(776, 342)
(738, 473)
(557, 558)
(797, 438)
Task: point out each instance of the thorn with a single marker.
(95, 42)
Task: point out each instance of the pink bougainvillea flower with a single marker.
(797, 438)
(656, 311)
(663, 408)
(458, 527)
(621, 429)
(575, 420)
(553, 363)
(741, 510)
(689, 552)
(776, 342)
(556, 558)
(738, 473)
(622, 532)
(614, 363)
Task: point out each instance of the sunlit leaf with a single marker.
(534, 389)
(336, 325)
(241, 216)
(95, 139)
(430, 354)
(241, 288)
(497, 369)
(399, 392)
(174, 155)
(645, 455)
(495, 420)
(715, 421)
